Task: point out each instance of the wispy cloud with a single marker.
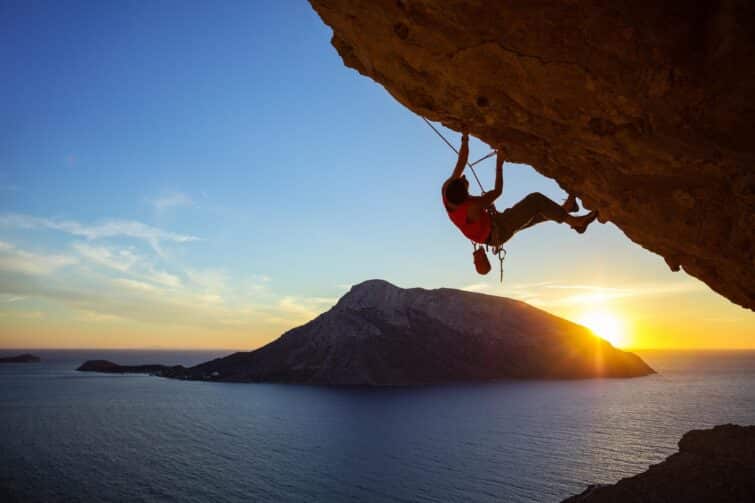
(552, 294)
(121, 260)
(478, 287)
(303, 308)
(142, 293)
(24, 315)
(213, 280)
(108, 229)
(164, 278)
(11, 298)
(172, 200)
(16, 260)
(126, 299)
(111, 281)
(132, 284)
(591, 288)
(95, 317)
(141, 270)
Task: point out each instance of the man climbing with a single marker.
(472, 216)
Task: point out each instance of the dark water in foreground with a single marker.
(69, 436)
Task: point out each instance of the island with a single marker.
(381, 335)
(712, 465)
(24, 358)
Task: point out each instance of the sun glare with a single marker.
(605, 325)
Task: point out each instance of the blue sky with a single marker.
(221, 159)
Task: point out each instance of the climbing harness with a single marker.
(482, 265)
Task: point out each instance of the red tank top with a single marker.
(478, 231)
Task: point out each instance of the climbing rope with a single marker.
(471, 165)
(497, 250)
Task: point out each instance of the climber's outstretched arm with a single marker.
(463, 156)
(489, 198)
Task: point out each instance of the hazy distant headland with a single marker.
(23, 358)
(109, 367)
(381, 335)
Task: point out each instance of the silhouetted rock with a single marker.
(382, 335)
(24, 358)
(716, 465)
(646, 110)
(109, 367)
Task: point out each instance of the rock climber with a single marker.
(473, 215)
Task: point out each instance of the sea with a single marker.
(70, 436)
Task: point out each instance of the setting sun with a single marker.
(605, 325)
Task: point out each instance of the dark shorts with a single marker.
(502, 229)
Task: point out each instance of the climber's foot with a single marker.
(581, 223)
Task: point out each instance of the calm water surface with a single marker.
(70, 436)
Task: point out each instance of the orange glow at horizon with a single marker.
(696, 320)
(606, 325)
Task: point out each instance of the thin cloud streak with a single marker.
(167, 301)
(477, 287)
(172, 200)
(595, 294)
(21, 261)
(304, 308)
(128, 262)
(108, 229)
(23, 315)
(121, 260)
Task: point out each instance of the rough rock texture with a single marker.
(646, 110)
(382, 335)
(716, 465)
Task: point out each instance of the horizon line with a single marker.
(25, 348)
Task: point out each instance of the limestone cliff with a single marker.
(646, 110)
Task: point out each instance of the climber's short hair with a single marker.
(457, 190)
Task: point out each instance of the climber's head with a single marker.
(457, 191)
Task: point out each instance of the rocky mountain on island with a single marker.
(716, 465)
(379, 334)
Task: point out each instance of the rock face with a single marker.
(646, 110)
(382, 335)
(109, 367)
(711, 465)
(24, 358)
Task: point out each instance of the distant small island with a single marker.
(109, 367)
(24, 358)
